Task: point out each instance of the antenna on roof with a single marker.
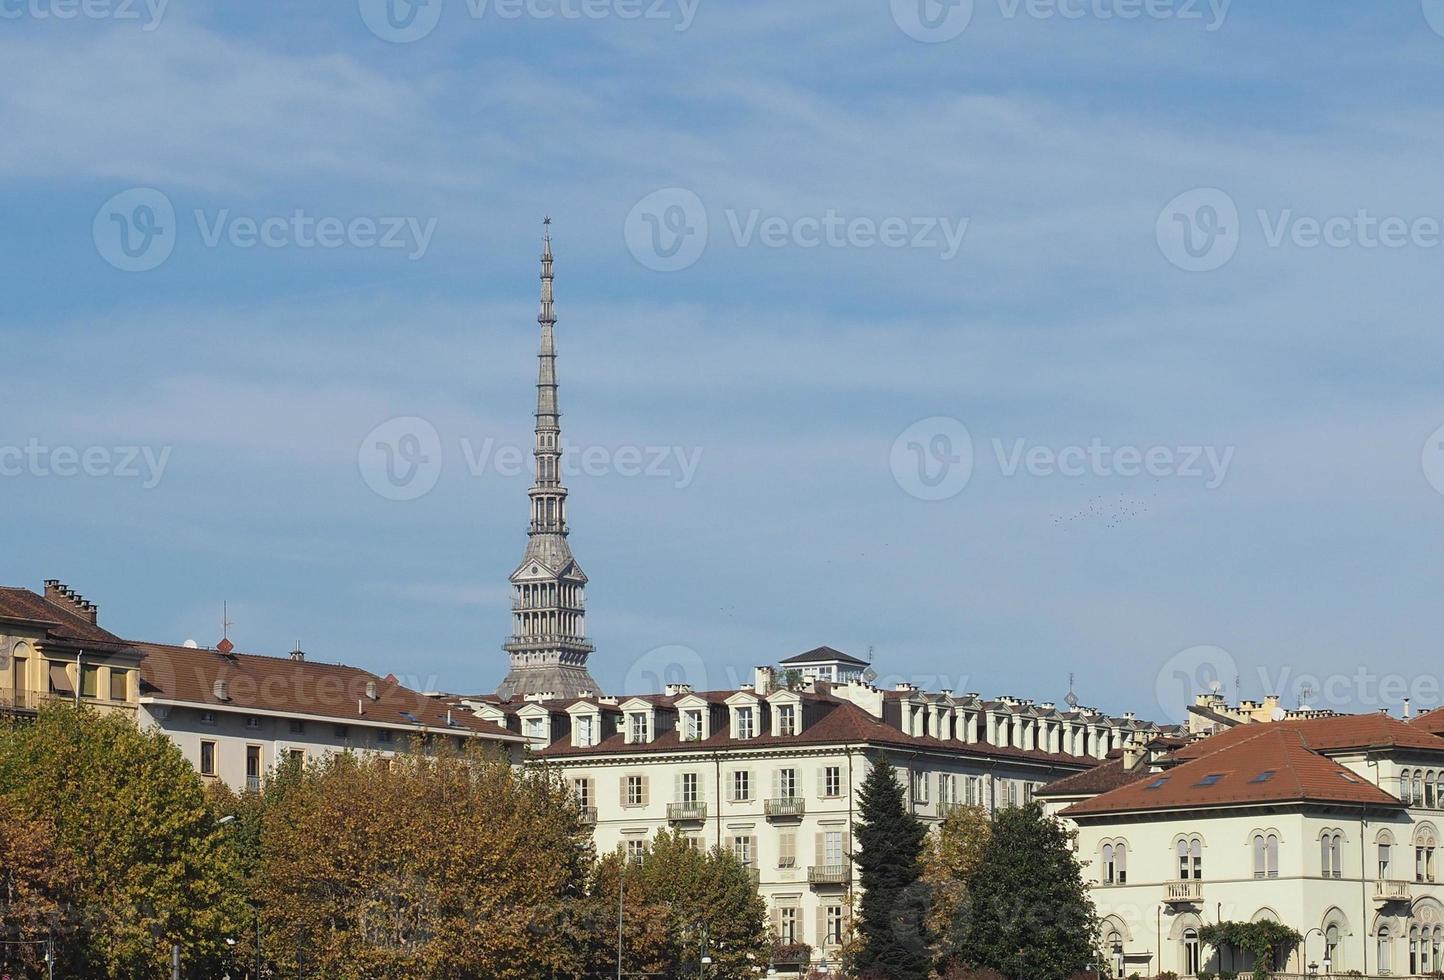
(1072, 699)
(869, 653)
(226, 623)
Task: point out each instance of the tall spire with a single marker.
(548, 646)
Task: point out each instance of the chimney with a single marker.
(298, 654)
(762, 681)
(371, 690)
(57, 593)
(677, 690)
(221, 690)
(1407, 712)
(1134, 753)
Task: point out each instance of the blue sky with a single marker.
(1102, 294)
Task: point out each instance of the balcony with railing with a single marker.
(589, 816)
(784, 808)
(829, 874)
(692, 812)
(1183, 892)
(1392, 891)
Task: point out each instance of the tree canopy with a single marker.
(892, 915)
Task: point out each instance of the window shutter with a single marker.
(622, 790)
(677, 788)
(822, 782)
(820, 855)
(821, 926)
(646, 790)
(776, 920)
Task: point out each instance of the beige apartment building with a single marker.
(772, 773)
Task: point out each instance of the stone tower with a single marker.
(548, 646)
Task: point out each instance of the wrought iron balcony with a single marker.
(829, 874)
(686, 812)
(1184, 892)
(1392, 891)
(784, 807)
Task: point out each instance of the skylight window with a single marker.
(1157, 783)
(1263, 777)
(1346, 776)
(411, 718)
(1210, 779)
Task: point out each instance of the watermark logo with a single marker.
(1207, 463)
(932, 459)
(666, 231)
(135, 230)
(678, 13)
(1432, 459)
(1188, 673)
(1434, 15)
(401, 21)
(676, 463)
(401, 458)
(664, 665)
(932, 21)
(301, 230)
(35, 459)
(1198, 231)
(148, 12)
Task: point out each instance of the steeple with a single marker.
(548, 646)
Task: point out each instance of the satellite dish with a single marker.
(1278, 714)
(191, 645)
(869, 675)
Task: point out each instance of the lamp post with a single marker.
(1304, 950)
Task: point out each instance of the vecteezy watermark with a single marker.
(1432, 460)
(136, 231)
(144, 463)
(670, 665)
(668, 230)
(932, 459)
(676, 463)
(1198, 230)
(148, 13)
(1195, 462)
(404, 21)
(1434, 15)
(935, 21)
(1188, 673)
(403, 458)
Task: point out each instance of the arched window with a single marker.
(1113, 943)
(1406, 791)
(1265, 855)
(1190, 858)
(1414, 949)
(1192, 953)
(1383, 962)
(1331, 854)
(1424, 845)
(1429, 790)
(1418, 787)
(1331, 949)
(1385, 846)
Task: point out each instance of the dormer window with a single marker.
(536, 728)
(746, 722)
(787, 719)
(586, 730)
(692, 725)
(637, 726)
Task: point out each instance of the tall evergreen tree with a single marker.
(892, 917)
(1026, 912)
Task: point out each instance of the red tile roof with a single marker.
(1335, 733)
(261, 684)
(843, 723)
(1274, 764)
(63, 626)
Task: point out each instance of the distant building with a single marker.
(826, 664)
(53, 649)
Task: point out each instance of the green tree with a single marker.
(39, 884)
(892, 917)
(681, 901)
(1026, 912)
(131, 814)
(950, 858)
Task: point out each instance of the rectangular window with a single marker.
(637, 722)
(636, 849)
(741, 786)
(692, 726)
(786, 719)
(208, 758)
(297, 756)
(252, 722)
(384, 735)
(834, 926)
(60, 680)
(343, 731)
(89, 681)
(253, 767)
(832, 781)
(208, 717)
(787, 784)
(584, 730)
(1385, 864)
(583, 790)
(297, 726)
(920, 786)
(787, 849)
(970, 791)
(689, 788)
(788, 921)
(119, 684)
(636, 791)
(745, 727)
(743, 847)
(832, 848)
